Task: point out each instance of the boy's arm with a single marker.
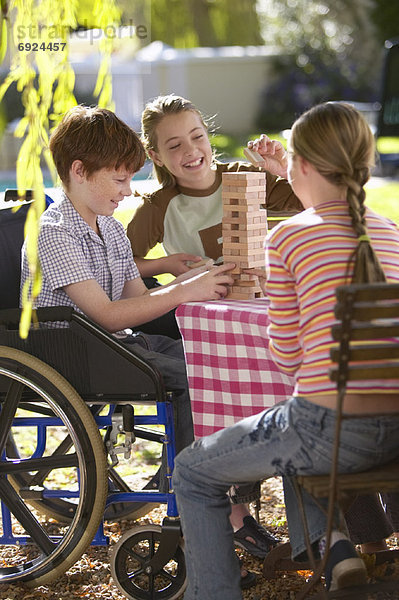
(139, 305)
(119, 314)
(176, 264)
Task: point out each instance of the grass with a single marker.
(388, 145)
(384, 200)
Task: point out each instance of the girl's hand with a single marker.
(176, 264)
(261, 275)
(273, 153)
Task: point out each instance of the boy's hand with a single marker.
(273, 153)
(261, 275)
(209, 285)
(192, 271)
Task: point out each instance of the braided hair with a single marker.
(337, 140)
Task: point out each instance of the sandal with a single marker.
(264, 541)
(247, 580)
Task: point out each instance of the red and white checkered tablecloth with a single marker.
(230, 372)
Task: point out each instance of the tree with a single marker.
(190, 23)
(329, 51)
(36, 32)
(386, 17)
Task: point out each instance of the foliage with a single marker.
(42, 73)
(329, 51)
(386, 17)
(190, 23)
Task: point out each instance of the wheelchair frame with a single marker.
(147, 562)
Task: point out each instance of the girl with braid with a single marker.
(336, 240)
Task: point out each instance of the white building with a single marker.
(225, 81)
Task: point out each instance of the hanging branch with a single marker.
(41, 70)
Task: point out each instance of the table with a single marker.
(230, 371)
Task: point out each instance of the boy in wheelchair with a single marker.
(86, 258)
(87, 262)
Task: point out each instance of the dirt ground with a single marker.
(90, 577)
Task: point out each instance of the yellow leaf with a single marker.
(3, 39)
(25, 321)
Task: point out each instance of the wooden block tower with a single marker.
(244, 226)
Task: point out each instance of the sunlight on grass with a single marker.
(124, 215)
(388, 145)
(384, 200)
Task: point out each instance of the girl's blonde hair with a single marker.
(153, 114)
(336, 139)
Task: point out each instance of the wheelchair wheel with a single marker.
(39, 407)
(61, 509)
(128, 566)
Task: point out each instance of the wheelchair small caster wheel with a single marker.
(132, 574)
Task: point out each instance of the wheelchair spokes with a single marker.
(35, 472)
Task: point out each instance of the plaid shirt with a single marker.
(70, 251)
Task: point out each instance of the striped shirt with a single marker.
(306, 259)
(70, 252)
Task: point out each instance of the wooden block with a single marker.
(254, 157)
(253, 212)
(246, 286)
(246, 283)
(242, 262)
(245, 241)
(246, 246)
(238, 228)
(243, 176)
(257, 255)
(247, 238)
(227, 209)
(252, 252)
(201, 263)
(249, 196)
(244, 296)
(248, 277)
(245, 188)
(236, 270)
(248, 292)
(251, 218)
(251, 263)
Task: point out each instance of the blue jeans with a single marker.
(292, 438)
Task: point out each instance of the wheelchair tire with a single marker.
(128, 558)
(46, 549)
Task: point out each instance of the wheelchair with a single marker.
(71, 401)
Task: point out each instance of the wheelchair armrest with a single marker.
(93, 329)
(101, 347)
